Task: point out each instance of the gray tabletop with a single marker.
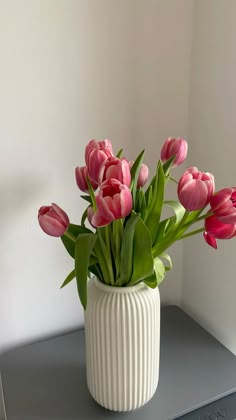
(47, 381)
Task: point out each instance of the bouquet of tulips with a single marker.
(127, 237)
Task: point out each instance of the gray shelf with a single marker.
(47, 380)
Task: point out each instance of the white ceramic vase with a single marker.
(122, 329)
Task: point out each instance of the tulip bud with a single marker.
(81, 174)
(53, 220)
(174, 147)
(115, 168)
(195, 189)
(215, 229)
(96, 153)
(114, 201)
(143, 174)
(223, 205)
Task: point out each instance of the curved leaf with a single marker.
(83, 248)
(126, 265)
(68, 243)
(68, 279)
(142, 253)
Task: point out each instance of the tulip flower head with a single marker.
(195, 189)
(96, 153)
(53, 220)
(215, 229)
(81, 174)
(143, 174)
(223, 205)
(114, 201)
(174, 147)
(115, 168)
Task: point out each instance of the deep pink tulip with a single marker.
(215, 229)
(53, 220)
(143, 174)
(81, 174)
(114, 201)
(174, 147)
(96, 153)
(223, 205)
(195, 189)
(115, 168)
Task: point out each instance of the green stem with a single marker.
(198, 219)
(174, 180)
(171, 237)
(193, 232)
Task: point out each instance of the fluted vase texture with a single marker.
(122, 329)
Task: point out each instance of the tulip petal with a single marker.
(210, 240)
(51, 226)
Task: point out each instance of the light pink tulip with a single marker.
(195, 189)
(115, 168)
(215, 229)
(81, 174)
(143, 174)
(114, 201)
(223, 205)
(96, 153)
(53, 220)
(98, 145)
(174, 147)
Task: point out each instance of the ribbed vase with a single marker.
(122, 329)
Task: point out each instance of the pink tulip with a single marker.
(215, 229)
(115, 168)
(223, 205)
(195, 189)
(53, 220)
(143, 174)
(114, 201)
(174, 147)
(96, 153)
(81, 174)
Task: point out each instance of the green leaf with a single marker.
(159, 269)
(158, 275)
(119, 154)
(178, 209)
(151, 281)
(140, 201)
(68, 279)
(167, 165)
(153, 218)
(83, 248)
(142, 253)
(126, 265)
(68, 243)
(87, 198)
(134, 175)
(168, 259)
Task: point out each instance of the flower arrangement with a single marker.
(127, 240)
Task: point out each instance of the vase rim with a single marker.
(118, 289)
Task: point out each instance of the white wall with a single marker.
(71, 71)
(163, 31)
(209, 287)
